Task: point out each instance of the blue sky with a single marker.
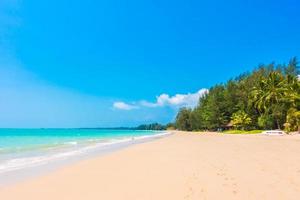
(121, 63)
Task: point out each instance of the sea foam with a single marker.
(65, 153)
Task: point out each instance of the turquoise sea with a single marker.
(20, 148)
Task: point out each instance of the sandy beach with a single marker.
(181, 166)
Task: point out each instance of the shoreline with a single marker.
(181, 166)
(70, 157)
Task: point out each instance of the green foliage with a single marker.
(292, 69)
(242, 132)
(260, 99)
(270, 91)
(170, 126)
(292, 120)
(154, 126)
(240, 120)
(183, 120)
(265, 122)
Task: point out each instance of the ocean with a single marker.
(21, 148)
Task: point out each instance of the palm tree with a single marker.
(269, 94)
(241, 120)
(293, 119)
(292, 93)
(293, 99)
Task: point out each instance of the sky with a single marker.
(122, 63)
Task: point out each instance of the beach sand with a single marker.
(181, 166)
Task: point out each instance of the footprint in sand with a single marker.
(228, 181)
(190, 193)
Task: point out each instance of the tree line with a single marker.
(266, 98)
(154, 126)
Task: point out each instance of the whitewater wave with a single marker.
(25, 162)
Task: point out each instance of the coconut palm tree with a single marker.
(240, 120)
(292, 92)
(293, 99)
(270, 94)
(293, 120)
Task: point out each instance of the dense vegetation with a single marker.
(266, 98)
(154, 126)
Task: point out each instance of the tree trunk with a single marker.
(278, 124)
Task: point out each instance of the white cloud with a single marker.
(179, 100)
(124, 106)
(147, 104)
